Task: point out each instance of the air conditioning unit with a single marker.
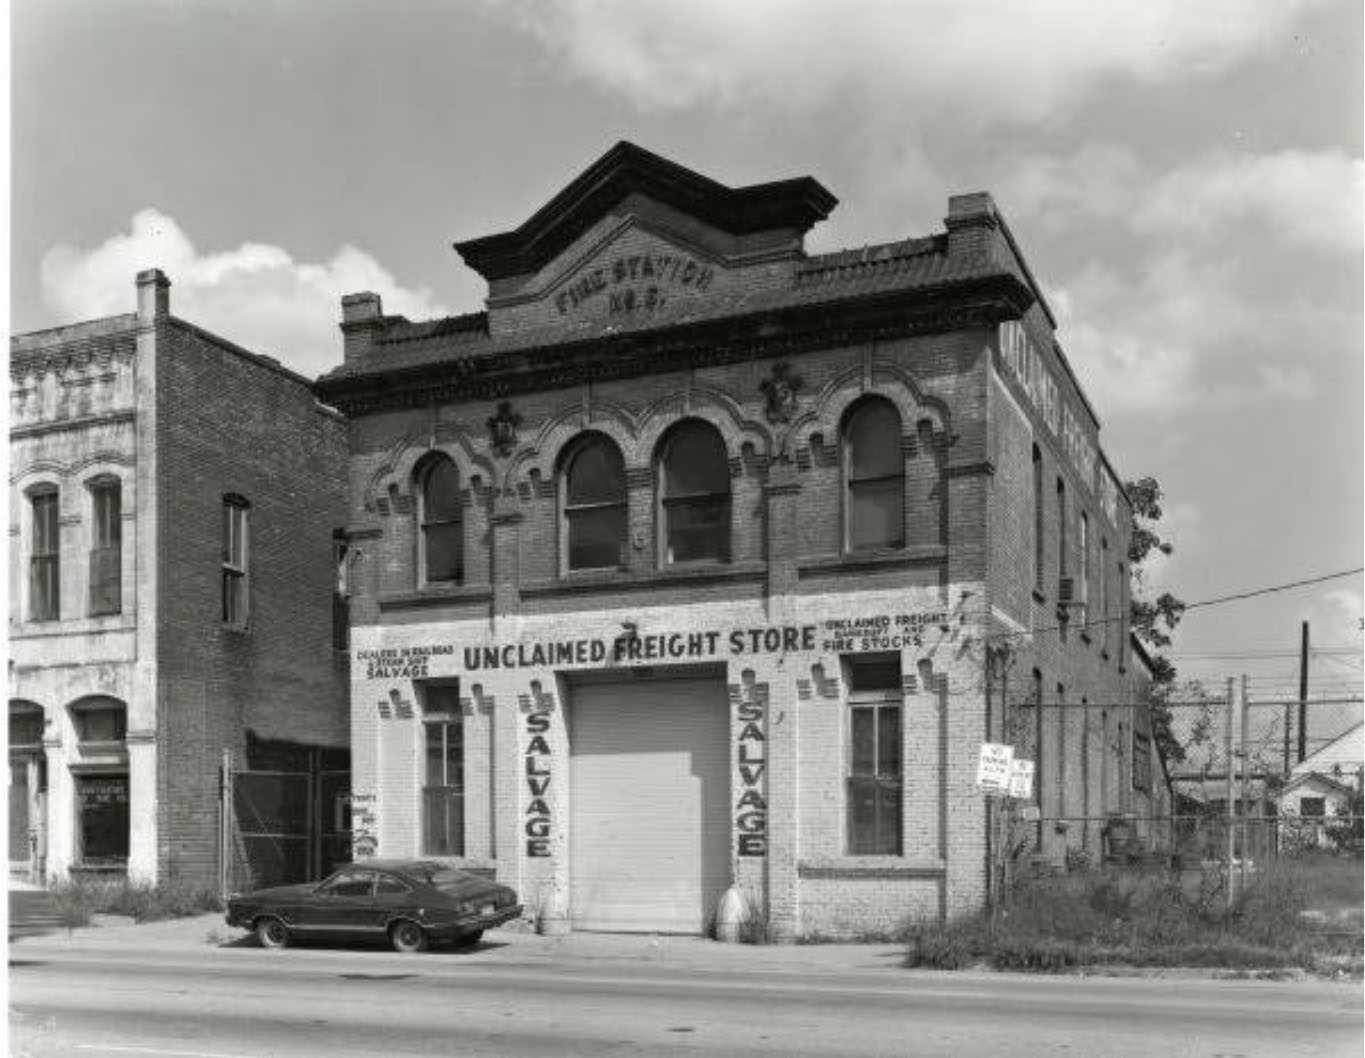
(1066, 591)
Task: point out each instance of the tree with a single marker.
(1153, 620)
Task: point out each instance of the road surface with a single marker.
(507, 1000)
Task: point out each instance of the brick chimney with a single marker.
(153, 295)
(360, 315)
(971, 221)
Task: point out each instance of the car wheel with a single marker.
(407, 936)
(272, 933)
(468, 940)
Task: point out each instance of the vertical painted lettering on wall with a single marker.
(537, 825)
(751, 811)
(1025, 361)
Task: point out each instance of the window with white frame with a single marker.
(874, 760)
(236, 559)
(44, 592)
(874, 471)
(106, 546)
(443, 790)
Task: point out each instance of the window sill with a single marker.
(596, 580)
(435, 596)
(852, 560)
(120, 622)
(870, 867)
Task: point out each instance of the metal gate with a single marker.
(284, 824)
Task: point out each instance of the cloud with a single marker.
(1313, 199)
(922, 59)
(256, 295)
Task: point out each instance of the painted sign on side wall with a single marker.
(751, 812)
(537, 825)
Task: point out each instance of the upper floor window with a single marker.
(236, 556)
(1142, 762)
(593, 492)
(100, 720)
(341, 591)
(1038, 535)
(874, 469)
(106, 546)
(1063, 568)
(1083, 573)
(442, 518)
(25, 725)
(44, 585)
(694, 489)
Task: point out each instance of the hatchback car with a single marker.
(414, 903)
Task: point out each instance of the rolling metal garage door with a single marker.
(649, 825)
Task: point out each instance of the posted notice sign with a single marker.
(1021, 778)
(993, 769)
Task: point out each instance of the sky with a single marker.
(1185, 180)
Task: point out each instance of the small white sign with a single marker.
(993, 770)
(1021, 778)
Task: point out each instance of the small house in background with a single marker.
(1322, 794)
(172, 567)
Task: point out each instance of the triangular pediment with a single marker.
(629, 172)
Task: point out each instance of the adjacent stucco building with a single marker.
(699, 565)
(173, 500)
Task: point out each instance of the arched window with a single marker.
(25, 725)
(874, 469)
(442, 520)
(694, 491)
(100, 720)
(593, 492)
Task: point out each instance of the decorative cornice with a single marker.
(39, 429)
(729, 339)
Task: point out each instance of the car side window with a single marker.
(349, 883)
(388, 885)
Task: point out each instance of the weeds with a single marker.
(78, 901)
(1054, 924)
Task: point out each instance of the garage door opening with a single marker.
(649, 838)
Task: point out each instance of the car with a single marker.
(412, 903)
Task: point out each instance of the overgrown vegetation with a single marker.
(79, 901)
(1055, 924)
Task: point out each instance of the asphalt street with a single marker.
(85, 995)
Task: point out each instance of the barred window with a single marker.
(874, 761)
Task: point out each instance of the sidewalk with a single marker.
(202, 932)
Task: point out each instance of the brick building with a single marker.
(173, 500)
(696, 569)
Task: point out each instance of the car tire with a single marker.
(407, 936)
(468, 940)
(272, 933)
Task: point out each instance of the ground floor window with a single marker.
(443, 792)
(874, 761)
(102, 819)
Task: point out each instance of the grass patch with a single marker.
(1056, 924)
(78, 902)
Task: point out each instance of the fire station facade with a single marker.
(696, 569)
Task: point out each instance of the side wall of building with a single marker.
(233, 425)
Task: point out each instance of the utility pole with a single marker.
(1303, 695)
(1246, 806)
(1230, 819)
